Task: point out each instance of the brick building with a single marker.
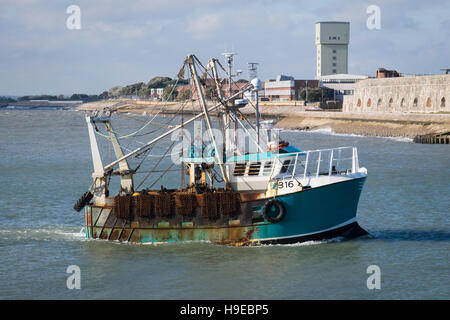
(383, 73)
(286, 88)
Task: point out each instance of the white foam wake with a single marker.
(47, 233)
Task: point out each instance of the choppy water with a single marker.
(45, 166)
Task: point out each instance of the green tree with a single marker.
(103, 95)
(159, 82)
(79, 96)
(144, 91)
(39, 97)
(7, 100)
(131, 89)
(314, 94)
(185, 94)
(211, 93)
(114, 91)
(169, 93)
(4, 101)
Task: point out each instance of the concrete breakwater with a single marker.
(49, 104)
(408, 125)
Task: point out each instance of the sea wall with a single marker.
(417, 94)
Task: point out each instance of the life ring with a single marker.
(268, 208)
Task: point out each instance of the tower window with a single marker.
(334, 64)
(334, 51)
(334, 70)
(334, 58)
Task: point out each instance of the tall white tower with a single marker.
(332, 38)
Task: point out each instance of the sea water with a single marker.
(45, 166)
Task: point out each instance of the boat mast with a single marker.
(225, 116)
(126, 177)
(257, 86)
(218, 152)
(229, 57)
(213, 66)
(99, 184)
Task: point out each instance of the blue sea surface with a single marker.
(45, 166)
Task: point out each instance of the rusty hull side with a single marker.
(239, 229)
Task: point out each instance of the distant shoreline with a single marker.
(298, 118)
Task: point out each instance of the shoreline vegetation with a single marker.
(294, 116)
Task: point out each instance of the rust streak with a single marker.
(247, 197)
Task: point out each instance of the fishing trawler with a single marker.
(245, 186)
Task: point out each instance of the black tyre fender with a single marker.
(85, 198)
(268, 205)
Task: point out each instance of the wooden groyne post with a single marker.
(440, 138)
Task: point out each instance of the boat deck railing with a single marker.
(312, 163)
(315, 163)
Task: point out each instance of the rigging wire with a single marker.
(147, 133)
(162, 174)
(156, 165)
(150, 121)
(143, 134)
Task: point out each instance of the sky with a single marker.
(123, 42)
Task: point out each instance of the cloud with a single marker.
(131, 41)
(204, 26)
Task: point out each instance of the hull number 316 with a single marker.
(287, 184)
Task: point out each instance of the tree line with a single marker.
(144, 90)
